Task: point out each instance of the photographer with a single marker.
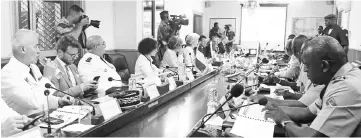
(74, 24)
(164, 33)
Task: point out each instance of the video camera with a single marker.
(177, 21)
(94, 23)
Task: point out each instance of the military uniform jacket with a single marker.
(336, 32)
(91, 65)
(339, 110)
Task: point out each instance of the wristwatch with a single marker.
(283, 123)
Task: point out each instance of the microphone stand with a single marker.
(49, 134)
(93, 111)
(202, 123)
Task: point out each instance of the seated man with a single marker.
(93, 64)
(11, 121)
(68, 80)
(336, 113)
(22, 83)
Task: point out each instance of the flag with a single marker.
(200, 61)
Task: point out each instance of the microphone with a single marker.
(236, 91)
(111, 79)
(264, 61)
(262, 101)
(46, 93)
(175, 72)
(47, 85)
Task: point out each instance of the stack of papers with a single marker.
(77, 128)
(68, 114)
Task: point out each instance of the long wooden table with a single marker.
(184, 106)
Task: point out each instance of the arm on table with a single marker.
(299, 114)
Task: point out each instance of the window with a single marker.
(151, 18)
(41, 16)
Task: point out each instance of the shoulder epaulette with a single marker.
(338, 79)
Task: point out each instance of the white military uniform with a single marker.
(22, 92)
(145, 69)
(91, 65)
(339, 110)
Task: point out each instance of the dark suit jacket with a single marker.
(336, 33)
(206, 50)
(63, 82)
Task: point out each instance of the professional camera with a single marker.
(94, 23)
(177, 20)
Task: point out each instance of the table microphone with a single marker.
(46, 93)
(262, 101)
(111, 79)
(47, 85)
(264, 61)
(236, 91)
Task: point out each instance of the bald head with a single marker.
(325, 48)
(96, 45)
(25, 46)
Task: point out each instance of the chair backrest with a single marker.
(120, 63)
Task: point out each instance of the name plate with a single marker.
(110, 109)
(152, 91)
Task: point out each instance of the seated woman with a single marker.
(170, 57)
(188, 52)
(143, 66)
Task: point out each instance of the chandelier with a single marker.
(251, 6)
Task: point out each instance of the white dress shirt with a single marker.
(170, 59)
(67, 69)
(22, 92)
(91, 65)
(145, 69)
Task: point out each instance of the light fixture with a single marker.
(251, 6)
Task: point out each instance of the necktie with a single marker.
(68, 74)
(31, 73)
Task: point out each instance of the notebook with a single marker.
(250, 123)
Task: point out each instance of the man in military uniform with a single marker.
(164, 34)
(93, 64)
(335, 31)
(337, 112)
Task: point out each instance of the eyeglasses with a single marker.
(74, 56)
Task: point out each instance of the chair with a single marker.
(120, 63)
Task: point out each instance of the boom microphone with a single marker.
(111, 79)
(47, 85)
(236, 91)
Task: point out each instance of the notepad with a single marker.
(248, 127)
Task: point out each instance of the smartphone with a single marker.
(31, 123)
(96, 78)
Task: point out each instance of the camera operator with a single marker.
(74, 24)
(164, 33)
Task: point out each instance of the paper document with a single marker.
(250, 128)
(110, 109)
(77, 128)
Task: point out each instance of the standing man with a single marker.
(319, 31)
(73, 24)
(164, 34)
(215, 30)
(22, 84)
(69, 80)
(335, 31)
(231, 37)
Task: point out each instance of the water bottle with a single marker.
(131, 82)
(212, 97)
